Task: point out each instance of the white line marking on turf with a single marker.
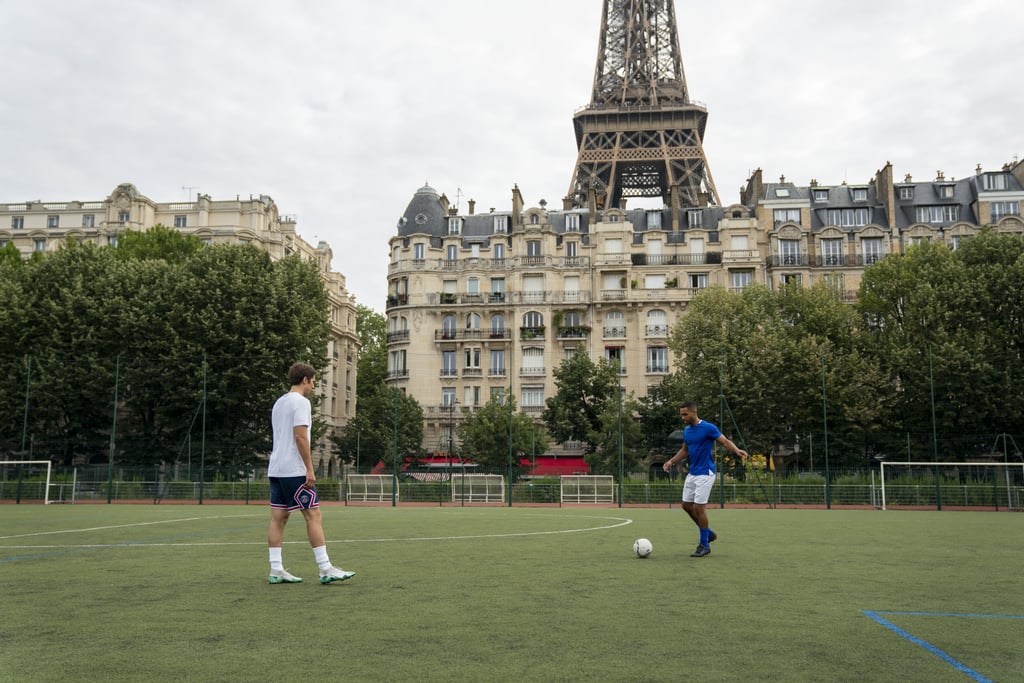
(620, 522)
(121, 526)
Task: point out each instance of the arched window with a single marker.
(657, 324)
(614, 324)
(498, 325)
(448, 327)
(473, 321)
(533, 319)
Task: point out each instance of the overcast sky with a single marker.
(341, 110)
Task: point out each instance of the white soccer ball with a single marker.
(642, 547)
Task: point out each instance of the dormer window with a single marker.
(821, 195)
(454, 225)
(572, 222)
(695, 218)
(782, 192)
(907, 192)
(860, 194)
(946, 191)
(654, 220)
(500, 224)
(994, 181)
(786, 216)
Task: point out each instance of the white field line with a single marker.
(121, 526)
(619, 523)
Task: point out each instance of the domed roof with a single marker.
(424, 213)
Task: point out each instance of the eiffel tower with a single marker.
(640, 136)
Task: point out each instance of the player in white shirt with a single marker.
(292, 479)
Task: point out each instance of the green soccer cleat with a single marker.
(335, 574)
(282, 576)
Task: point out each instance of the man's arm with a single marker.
(683, 452)
(301, 433)
(730, 446)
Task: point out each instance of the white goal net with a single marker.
(478, 488)
(25, 480)
(371, 488)
(956, 484)
(588, 488)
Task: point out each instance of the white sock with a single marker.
(322, 561)
(275, 559)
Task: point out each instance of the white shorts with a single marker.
(697, 488)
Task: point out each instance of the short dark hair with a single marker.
(299, 371)
(689, 405)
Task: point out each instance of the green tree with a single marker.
(159, 242)
(583, 390)
(613, 422)
(369, 437)
(372, 365)
(484, 435)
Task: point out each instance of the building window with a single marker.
(654, 220)
(453, 252)
(497, 362)
(657, 324)
(832, 252)
(448, 327)
(938, 214)
(849, 218)
(448, 396)
(821, 195)
(89, 220)
(616, 356)
(180, 221)
(454, 225)
(417, 251)
(872, 248)
(534, 219)
(473, 321)
(498, 326)
(786, 216)
(698, 280)
(533, 397)
(999, 210)
(572, 222)
(907, 192)
(946, 191)
(53, 221)
(533, 248)
(695, 218)
(860, 194)
(39, 244)
(448, 364)
(835, 282)
(790, 250)
(499, 252)
(791, 279)
(473, 285)
(473, 358)
(500, 224)
(112, 240)
(533, 361)
(994, 181)
(571, 249)
(615, 324)
(17, 222)
(657, 359)
(122, 216)
(738, 279)
(533, 319)
(497, 290)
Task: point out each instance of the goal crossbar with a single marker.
(49, 469)
(1007, 468)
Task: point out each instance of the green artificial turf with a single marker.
(180, 593)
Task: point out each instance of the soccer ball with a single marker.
(642, 547)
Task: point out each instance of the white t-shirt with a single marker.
(290, 411)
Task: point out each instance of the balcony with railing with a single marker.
(398, 374)
(396, 337)
(656, 330)
(573, 332)
(536, 332)
(471, 334)
(472, 372)
(532, 371)
(657, 368)
(787, 260)
(615, 332)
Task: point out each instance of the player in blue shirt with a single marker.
(699, 438)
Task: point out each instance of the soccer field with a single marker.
(180, 593)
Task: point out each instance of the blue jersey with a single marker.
(699, 439)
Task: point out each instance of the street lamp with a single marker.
(451, 436)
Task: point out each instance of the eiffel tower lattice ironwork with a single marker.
(640, 136)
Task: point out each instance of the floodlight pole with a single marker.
(113, 432)
(394, 446)
(824, 417)
(618, 392)
(202, 442)
(935, 434)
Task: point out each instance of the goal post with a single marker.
(370, 488)
(478, 488)
(21, 488)
(588, 488)
(968, 484)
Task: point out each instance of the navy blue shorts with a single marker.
(290, 493)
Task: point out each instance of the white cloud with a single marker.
(340, 111)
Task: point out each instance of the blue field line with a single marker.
(928, 646)
(125, 544)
